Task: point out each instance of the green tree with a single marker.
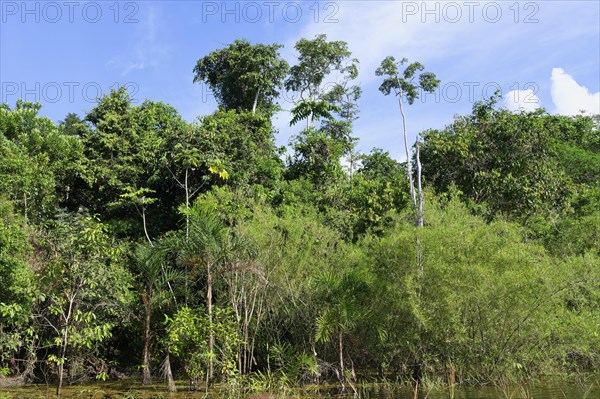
(378, 188)
(344, 296)
(124, 149)
(37, 161)
(504, 163)
(319, 149)
(72, 125)
(188, 332)
(403, 85)
(211, 249)
(317, 60)
(225, 148)
(316, 157)
(345, 97)
(85, 286)
(243, 145)
(244, 76)
(17, 292)
(155, 276)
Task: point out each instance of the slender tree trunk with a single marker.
(60, 379)
(255, 102)
(341, 349)
(420, 213)
(61, 365)
(145, 227)
(169, 375)
(187, 206)
(211, 335)
(65, 345)
(421, 207)
(146, 371)
(408, 161)
(418, 220)
(187, 228)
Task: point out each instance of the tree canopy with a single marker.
(136, 243)
(244, 76)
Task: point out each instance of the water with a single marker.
(131, 389)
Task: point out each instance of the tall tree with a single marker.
(404, 86)
(345, 96)
(205, 249)
(244, 76)
(318, 149)
(123, 151)
(155, 276)
(212, 249)
(317, 60)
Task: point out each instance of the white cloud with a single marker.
(522, 100)
(376, 29)
(148, 48)
(133, 65)
(570, 97)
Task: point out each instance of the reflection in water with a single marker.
(130, 389)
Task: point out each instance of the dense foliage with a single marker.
(132, 241)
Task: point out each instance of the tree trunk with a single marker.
(341, 348)
(421, 207)
(61, 365)
(187, 207)
(169, 375)
(413, 197)
(255, 102)
(65, 345)
(145, 227)
(211, 335)
(187, 229)
(146, 372)
(60, 379)
(418, 220)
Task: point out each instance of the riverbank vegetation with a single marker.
(135, 243)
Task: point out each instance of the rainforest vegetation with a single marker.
(134, 243)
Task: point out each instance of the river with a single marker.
(131, 389)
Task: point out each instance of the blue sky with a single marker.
(539, 53)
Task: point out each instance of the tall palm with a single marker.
(155, 276)
(207, 246)
(343, 297)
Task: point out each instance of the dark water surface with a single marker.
(133, 390)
